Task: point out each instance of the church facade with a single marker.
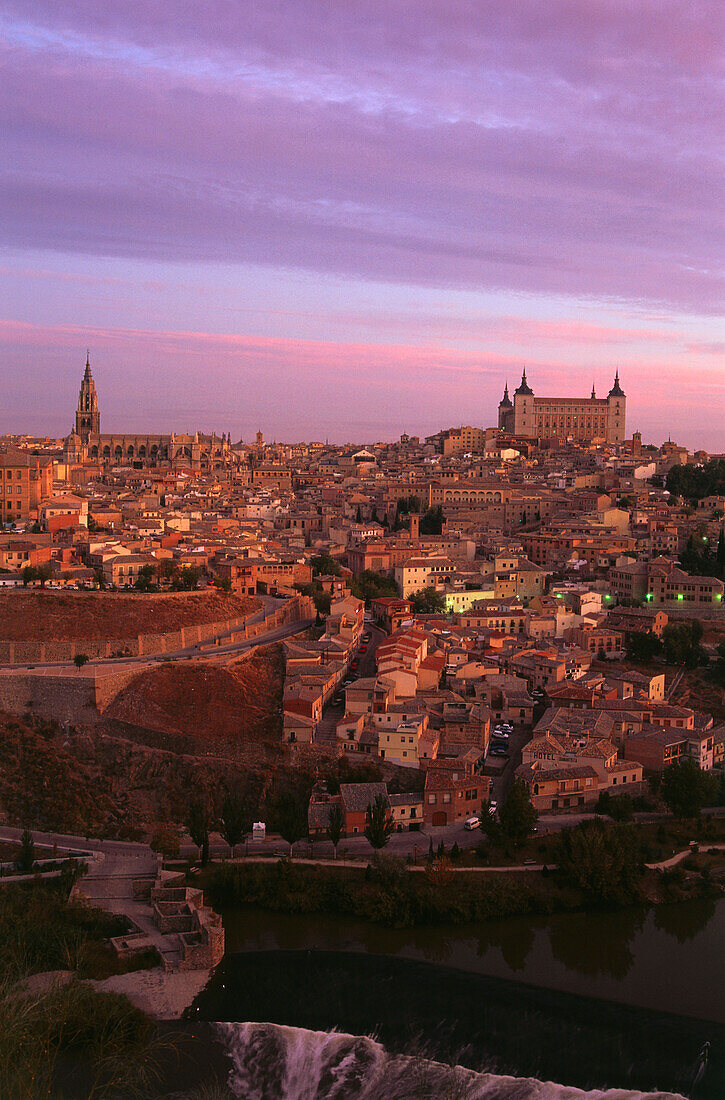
(581, 419)
(87, 445)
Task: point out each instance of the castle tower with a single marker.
(524, 422)
(505, 411)
(88, 418)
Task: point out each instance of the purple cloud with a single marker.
(440, 144)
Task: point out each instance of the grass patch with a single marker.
(71, 1033)
(41, 930)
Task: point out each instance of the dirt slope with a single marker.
(204, 704)
(40, 614)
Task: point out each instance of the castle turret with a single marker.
(523, 413)
(505, 411)
(88, 418)
(524, 388)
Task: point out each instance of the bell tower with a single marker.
(88, 418)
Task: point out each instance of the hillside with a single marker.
(40, 614)
(198, 707)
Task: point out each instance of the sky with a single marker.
(347, 220)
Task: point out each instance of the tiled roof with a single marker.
(356, 797)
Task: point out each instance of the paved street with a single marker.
(325, 733)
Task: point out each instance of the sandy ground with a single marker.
(161, 994)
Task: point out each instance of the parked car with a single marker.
(472, 823)
(492, 807)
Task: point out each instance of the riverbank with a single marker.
(389, 892)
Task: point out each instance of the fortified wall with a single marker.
(81, 697)
(142, 645)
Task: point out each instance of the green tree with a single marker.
(186, 579)
(80, 660)
(643, 647)
(718, 669)
(517, 815)
(379, 823)
(223, 584)
(432, 522)
(428, 602)
(686, 788)
(29, 574)
(145, 579)
(603, 861)
(370, 584)
(323, 601)
(680, 641)
(289, 815)
(335, 826)
(26, 858)
(695, 482)
(43, 574)
(325, 565)
(198, 825)
(235, 820)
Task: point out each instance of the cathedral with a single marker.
(581, 419)
(86, 445)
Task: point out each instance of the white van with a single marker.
(472, 823)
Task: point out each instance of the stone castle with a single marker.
(582, 419)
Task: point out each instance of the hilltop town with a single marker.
(540, 601)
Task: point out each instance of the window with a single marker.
(447, 796)
(431, 799)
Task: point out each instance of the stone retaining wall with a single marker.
(81, 696)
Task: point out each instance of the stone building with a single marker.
(87, 445)
(582, 419)
(26, 480)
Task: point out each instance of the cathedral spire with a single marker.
(594, 394)
(88, 418)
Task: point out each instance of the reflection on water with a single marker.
(668, 957)
(609, 953)
(515, 949)
(685, 921)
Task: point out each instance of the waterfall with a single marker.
(272, 1062)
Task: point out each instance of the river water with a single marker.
(624, 1000)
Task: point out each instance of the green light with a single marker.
(680, 596)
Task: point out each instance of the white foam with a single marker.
(273, 1062)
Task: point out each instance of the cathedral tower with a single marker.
(88, 418)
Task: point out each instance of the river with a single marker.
(620, 1000)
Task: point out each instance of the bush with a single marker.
(102, 1032)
